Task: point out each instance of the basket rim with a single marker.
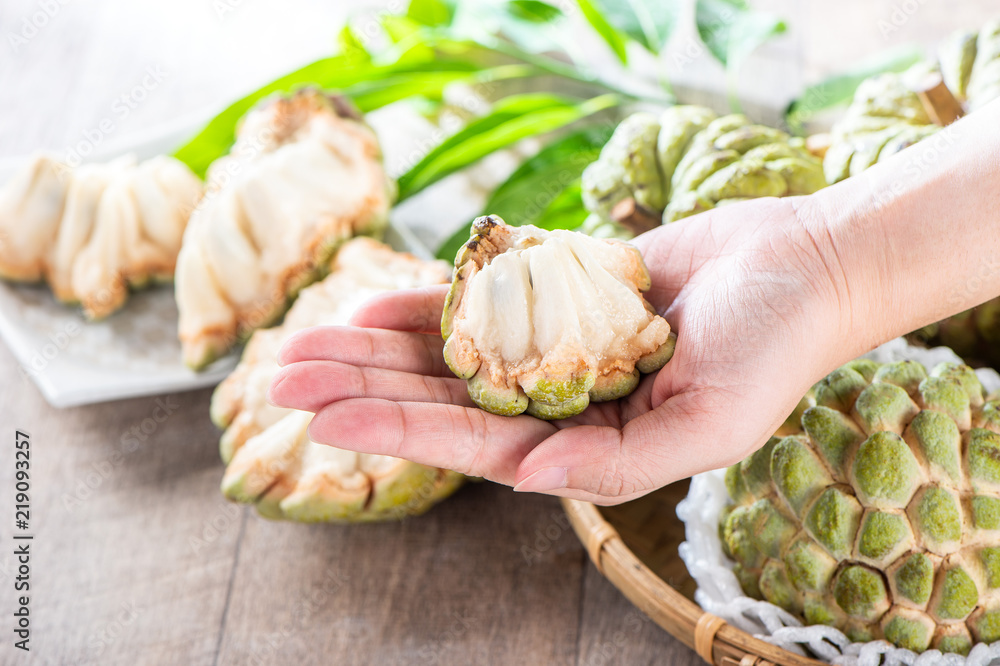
(713, 639)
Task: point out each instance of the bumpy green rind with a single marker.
(939, 441)
(908, 633)
(833, 521)
(885, 473)
(895, 545)
(958, 595)
(496, 400)
(914, 579)
(860, 592)
(702, 162)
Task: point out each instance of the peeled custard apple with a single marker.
(687, 160)
(271, 462)
(304, 175)
(96, 230)
(877, 511)
(548, 321)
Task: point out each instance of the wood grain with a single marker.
(138, 560)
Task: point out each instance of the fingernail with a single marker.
(544, 480)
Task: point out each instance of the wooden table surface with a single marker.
(137, 559)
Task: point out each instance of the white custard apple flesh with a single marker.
(304, 176)
(271, 461)
(548, 321)
(878, 512)
(96, 231)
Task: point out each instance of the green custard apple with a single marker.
(687, 160)
(878, 510)
(545, 322)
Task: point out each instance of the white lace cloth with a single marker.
(719, 592)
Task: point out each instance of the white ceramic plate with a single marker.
(132, 353)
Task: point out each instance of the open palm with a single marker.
(758, 316)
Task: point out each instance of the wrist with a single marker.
(845, 275)
(913, 239)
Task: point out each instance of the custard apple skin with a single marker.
(689, 160)
(879, 514)
(546, 322)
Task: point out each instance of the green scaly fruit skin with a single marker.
(410, 494)
(879, 512)
(691, 147)
(627, 166)
(495, 399)
(614, 386)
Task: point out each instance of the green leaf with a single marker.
(608, 32)
(348, 42)
(749, 33)
(431, 13)
(566, 211)
(534, 11)
(839, 88)
(649, 22)
(539, 191)
(379, 92)
(216, 138)
(512, 119)
(731, 30)
(339, 72)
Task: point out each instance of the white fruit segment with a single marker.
(549, 314)
(271, 460)
(94, 231)
(304, 176)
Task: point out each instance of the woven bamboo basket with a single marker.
(634, 546)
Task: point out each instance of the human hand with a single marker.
(759, 314)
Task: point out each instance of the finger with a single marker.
(684, 436)
(415, 310)
(471, 441)
(311, 385)
(370, 348)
